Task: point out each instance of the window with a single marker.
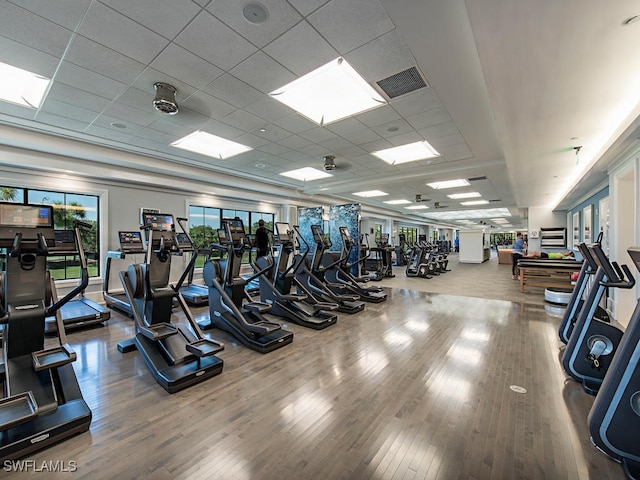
(67, 207)
(410, 234)
(205, 221)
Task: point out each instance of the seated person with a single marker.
(552, 255)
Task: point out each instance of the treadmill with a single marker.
(130, 244)
(80, 311)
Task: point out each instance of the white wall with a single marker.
(542, 217)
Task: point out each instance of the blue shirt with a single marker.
(518, 247)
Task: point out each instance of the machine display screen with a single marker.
(159, 222)
(16, 215)
(222, 236)
(317, 232)
(130, 238)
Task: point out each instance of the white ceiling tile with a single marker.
(156, 135)
(263, 73)
(150, 76)
(305, 7)
(73, 96)
(335, 144)
(398, 127)
(298, 158)
(136, 98)
(405, 138)
(378, 116)
(294, 142)
(212, 40)
(315, 151)
(93, 56)
(318, 134)
(63, 109)
(32, 30)
(295, 123)
(281, 17)
(66, 13)
(441, 130)
(456, 152)
(347, 24)
(27, 58)
(222, 129)
(89, 81)
(185, 66)
(166, 17)
(350, 124)
(429, 118)
(243, 120)
(416, 102)
(112, 134)
(251, 140)
(233, 91)
(208, 105)
(165, 125)
(273, 148)
(11, 110)
(359, 137)
(268, 108)
(273, 133)
(382, 57)
(117, 32)
(301, 49)
(105, 121)
(187, 118)
(126, 113)
(58, 121)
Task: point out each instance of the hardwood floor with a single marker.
(417, 387)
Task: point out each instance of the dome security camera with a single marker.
(329, 163)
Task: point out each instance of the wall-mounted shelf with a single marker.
(553, 237)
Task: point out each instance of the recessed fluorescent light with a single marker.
(460, 182)
(407, 153)
(306, 174)
(371, 193)
(329, 93)
(462, 214)
(210, 145)
(417, 207)
(475, 202)
(397, 202)
(22, 87)
(458, 196)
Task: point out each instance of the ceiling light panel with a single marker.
(371, 193)
(462, 214)
(329, 93)
(22, 87)
(417, 207)
(458, 196)
(475, 202)
(397, 202)
(407, 153)
(210, 145)
(460, 182)
(306, 174)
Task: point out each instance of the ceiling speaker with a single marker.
(165, 100)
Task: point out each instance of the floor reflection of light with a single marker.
(218, 459)
(409, 443)
(449, 385)
(306, 410)
(372, 362)
(398, 339)
(417, 325)
(475, 335)
(465, 354)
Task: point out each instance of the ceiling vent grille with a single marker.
(475, 179)
(402, 83)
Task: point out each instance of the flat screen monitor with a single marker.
(318, 234)
(222, 237)
(182, 239)
(130, 238)
(26, 216)
(236, 227)
(159, 222)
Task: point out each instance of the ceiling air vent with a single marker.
(401, 83)
(475, 179)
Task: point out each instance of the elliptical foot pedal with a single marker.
(204, 348)
(17, 409)
(53, 357)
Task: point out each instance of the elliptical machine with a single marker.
(593, 342)
(178, 357)
(614, 419)
(42, 403)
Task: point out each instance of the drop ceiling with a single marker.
(511, 88)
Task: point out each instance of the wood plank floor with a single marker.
(417, 387)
